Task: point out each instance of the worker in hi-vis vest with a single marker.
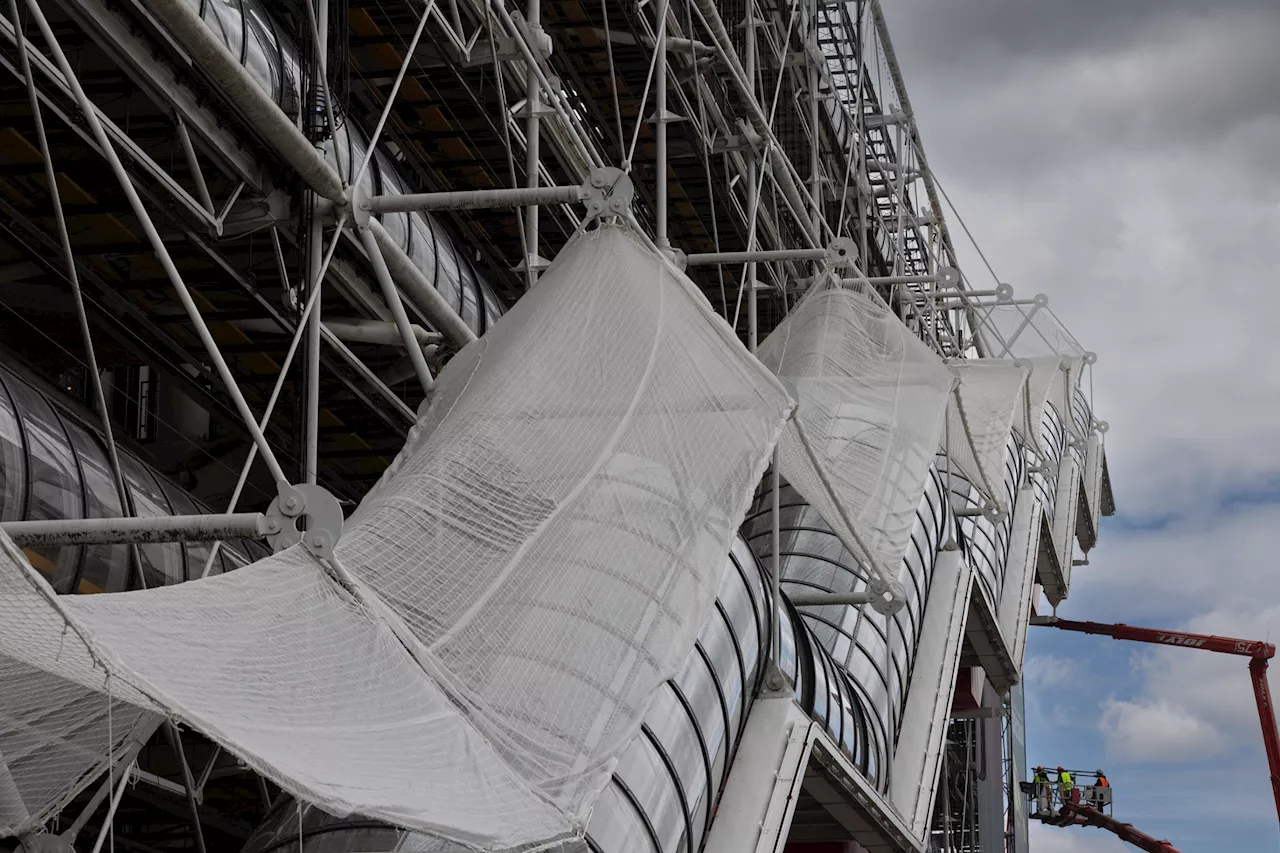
(1099, 797)
(1041, 780)
(1067, 791)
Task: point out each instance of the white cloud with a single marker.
(1219, 568)
(1124, 158)
(1044, 671)
(1158, 732)
(1138, 185)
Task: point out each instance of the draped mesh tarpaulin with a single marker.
(872, 399)
(1053, 380)
(536, 561)
(980, 418)
(1044, 374)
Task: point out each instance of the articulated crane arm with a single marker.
(1085, 816)
(1258, 652)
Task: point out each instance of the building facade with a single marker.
(257, 237)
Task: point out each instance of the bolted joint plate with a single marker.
(607, 192)
(842, 252)
(323, 514)
(887, 596)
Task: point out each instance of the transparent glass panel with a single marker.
(670, 724)
(615, 827)
(470, 297)
(162, 564)
(55, 491)
(197, 552)
(492, 307)
(422, 247)
(262, 54)
(448, 278)
(227, 23)
(106, 567)
(718, 645)
(13, 458)
(644, 774)
(699, 687)
(396, 224)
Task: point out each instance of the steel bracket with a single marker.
(607, 192)
(321, 510)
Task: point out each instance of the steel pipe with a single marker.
(533, 150)
(358, 331)
(761, 256)
(137, 531)
(369, 376)
(474, 199)
(257, 108)
(378, 332)
(419, 291)
(392, 297)
(818, 599)
(153, 237)
(783, 174)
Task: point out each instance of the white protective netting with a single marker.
(60, 722)
(980, 417)
(537, 560)
(1053, 380)
(1025, 331)
(872, 399)
(1039, 385)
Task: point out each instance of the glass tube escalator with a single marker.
(665, 787)
(872, 652)
(53, 465)
(985, 543)
(270, 55)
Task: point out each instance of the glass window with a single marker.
(422, 248)
(615, 826)
(448, 278)
(106, 567)
(787, 646)
(470, 297)
(492, 307)
(396, 224)
(197, 552)
(718, 645)
(13, 458)
(742, 615)
(643, 772)
(227, 22)
(819, 710)
(162, 564)
(337, 151)
(262, 54)
(671, 725)
(699, 687)
(54, 482)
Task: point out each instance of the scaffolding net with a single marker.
(505, 602)
(980, 419)
(872, 398)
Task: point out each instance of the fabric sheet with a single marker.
(872, 398)
(980, 418)
(504, 603)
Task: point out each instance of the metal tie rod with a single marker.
(140, 531)
(476, 199)
(801, 599)
(761, 256)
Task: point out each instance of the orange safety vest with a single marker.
(1103, 783)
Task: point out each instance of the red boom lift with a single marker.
(1257, 651)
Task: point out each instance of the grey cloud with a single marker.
(997, 30)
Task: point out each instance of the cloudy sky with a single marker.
(1123, 157)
